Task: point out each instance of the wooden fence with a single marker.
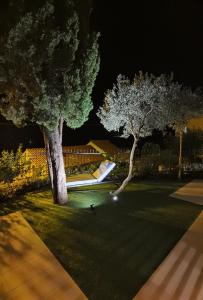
(75, 158)
(73, 155)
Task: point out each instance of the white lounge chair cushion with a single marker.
(88, 179)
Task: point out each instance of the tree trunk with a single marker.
(56, 165)
(61, 130)
(49, 164)
(129, 177)
(180, 154)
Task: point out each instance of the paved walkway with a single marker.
(28, 270)
(191, 192)
(180, 275)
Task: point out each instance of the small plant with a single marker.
(17, 174)
(13, 164)
(87, 168)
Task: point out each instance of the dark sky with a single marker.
(157, 36)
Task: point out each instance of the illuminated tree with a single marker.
(187, 105)
(48, 62)
(136, 108)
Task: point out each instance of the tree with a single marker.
(136, 108)
(193, 143)
(187, 105)
(48, 62)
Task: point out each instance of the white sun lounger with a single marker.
(88, 179)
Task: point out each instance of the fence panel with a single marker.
(73, 156)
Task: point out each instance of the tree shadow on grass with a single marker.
(18, 204)
(14, 248)
(26, 262)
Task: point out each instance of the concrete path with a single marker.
(180, 275)
(191, 192)
(28, 270)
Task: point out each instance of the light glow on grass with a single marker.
(83, 199)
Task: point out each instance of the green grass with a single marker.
(109, 254)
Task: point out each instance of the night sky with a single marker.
(157, 36)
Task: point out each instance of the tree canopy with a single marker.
(48, 72)
(137, 107)
(188, 104)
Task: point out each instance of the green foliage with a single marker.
(80, 84)
(139, 106)
(120, 170)
(9, 190)
(87, 168)
(6, 166)
(188, 104)
(18, 175)
(13, 164)
(49, 64)
(150, 149)
(39, 171)
(151, 161)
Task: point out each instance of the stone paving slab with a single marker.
(180, 275)
(191, 192)
(28, 270)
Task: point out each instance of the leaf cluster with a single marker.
(148, 102)
(48, 71)
(137, 107)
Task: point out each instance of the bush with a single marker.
(151, 160)
(87, 168)
(18, 175)
(13, 164)
(120, 171)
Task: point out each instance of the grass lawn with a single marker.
(109, 254)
